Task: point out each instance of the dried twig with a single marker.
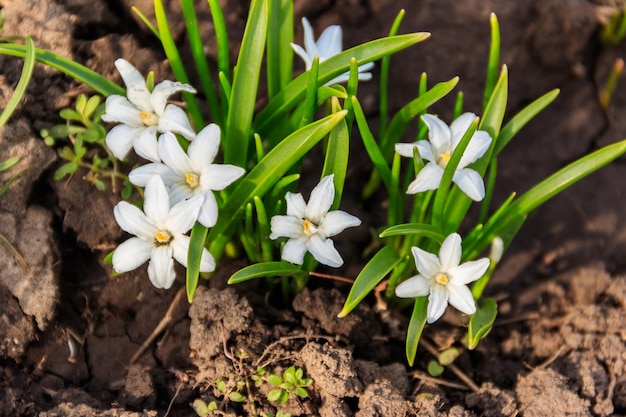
(457, 371)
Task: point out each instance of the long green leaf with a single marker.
(336, 160)
(416, 326)
(77, 71)
(221, 37)
(339, 64)
(265, 174)
(481, 322)
(279, 53)
(421, 229)
(245, 85)
(384, 77)
(194, 255)
(494, 59)
(20, 89)
(266, 269)
(376, 269)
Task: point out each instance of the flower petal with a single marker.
(450, 252)
(438, 134)
(337, 221)
(437, 303)
(136, 89)
(207, 216)
(460, 297)
(174, 156)
(175, 120)
(308, 62)
(423, 146)
(161, 267)
(471, 183)
(141, 175)
(416, 286)
(156, 203)
(427, 264)
(181, 250)
(428, 178)
(309, 40)
(131, 254)
(118, 109)
(324, 252)
(132, 220)
(321, 199)
(183, 215)
(179, 192)
(330, 42)
(217, 176)
(476, 148)
(204, 147)
(286, 226)
(162, 91)
(120, 139)
(459, 127)
(468, 272)
(294, 250)
(295, 205)
(146, 145)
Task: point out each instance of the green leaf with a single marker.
(194, 255)
(279, 59)
(275, 380)
(236, 397)
(376, 269)
(384, 78)
(77, 71)
(4, 165)
(266, 269)
(336, 159)
(334, 66)
(274, 395)
(301, 392)
(416, 326)
(421, 229)
(494, 59)
(65, 169)
(221, 37)
(434, 368)
(481, 322)
(265, 174)
(22, 84)
(448, 356)
(245, 85)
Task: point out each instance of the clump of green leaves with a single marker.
(291, 384)
(84, 136)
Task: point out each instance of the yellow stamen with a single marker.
(441, 278)
(193, 180)
(444, 158)
(309, 228)
(163, 237)
(148, 118)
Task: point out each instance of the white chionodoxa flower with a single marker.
(192, 173)
(309, 226)
(329, 44)
(443, 279)
(159, 235)
(438, 150)
(143, 113)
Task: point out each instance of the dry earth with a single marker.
(558, 346)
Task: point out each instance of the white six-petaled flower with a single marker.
(329, 44)
(159, 235)
(191, 173)
(309, 226)
(143, 113)
(443, 279)
(438, 150)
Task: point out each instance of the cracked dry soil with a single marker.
(558, 347)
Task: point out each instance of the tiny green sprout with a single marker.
(203, 409)
(292, 383)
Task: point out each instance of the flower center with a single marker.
(441, 278)
(444, 158)
(148, 118)
(310, 228)
(163, 237)
(193, 180)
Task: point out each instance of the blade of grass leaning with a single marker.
(383, 101)
(279, 38)
(421, 229)
(196, 245)
(178, 68)
(200, 60)
(77, 71)
(266, 269)
(221, 37)
(376, 269)
(146, 21)
(334, 66)
(416, 326)
(494, 59)
(20, 88)
(336, 159)
(265, 174)
(245, 85)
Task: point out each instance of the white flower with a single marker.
(142, 114)
(191, 173)
(309, 226)
(443, 279)
(443, 140)
(160, 235)
(329, 44)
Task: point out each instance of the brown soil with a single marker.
(558, 347)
